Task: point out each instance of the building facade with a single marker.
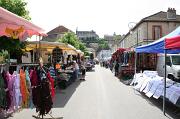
(87, 36)
(151, 28)
(112, 41)
(56, 33)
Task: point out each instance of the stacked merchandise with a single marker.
(26, 89)
(152, 85)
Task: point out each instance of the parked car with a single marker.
(172, 65)
(89, 66)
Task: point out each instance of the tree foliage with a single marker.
(103, 44)
(82, 47)
(17, 7)
(72, 39)
(14, 46)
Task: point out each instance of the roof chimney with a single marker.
(171, 14)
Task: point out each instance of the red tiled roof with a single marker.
(59, 30)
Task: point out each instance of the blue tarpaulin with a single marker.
(159, 45)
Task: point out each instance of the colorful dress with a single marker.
(51, 85)
(18, 96)
(35, 85)
(11, 90)
(28, 83)
(23, 89)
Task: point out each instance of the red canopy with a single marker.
(14, 26)
(172, 43)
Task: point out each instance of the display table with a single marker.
(64, 78)
(126, 72)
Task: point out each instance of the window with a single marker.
(157, 32)
(168, 61)
(176, 60)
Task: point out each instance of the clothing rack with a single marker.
(28, 65)
(38, 117)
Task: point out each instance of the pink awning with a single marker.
(172, 43)
(12, 25)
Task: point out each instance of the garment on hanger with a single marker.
(11, 90)
(28, 83)
(35, 85)
(2, 93)
(51, 85)
(18, 96)
(45, 96)
(8, 99)
(23, 89)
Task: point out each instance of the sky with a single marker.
(103, 16)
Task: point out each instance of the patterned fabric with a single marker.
(51, 85)
(28, 83)
(18, 96)
(46, 101)
(11, 90)
(52, 71)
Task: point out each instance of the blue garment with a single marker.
(52, 72)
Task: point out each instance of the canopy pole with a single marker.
(135, 63)
(39, 46)
(164, 97)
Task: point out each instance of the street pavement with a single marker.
(101, 96)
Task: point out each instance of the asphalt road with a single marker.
(102, 96)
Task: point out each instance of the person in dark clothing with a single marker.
(83, 71)
(116, 68)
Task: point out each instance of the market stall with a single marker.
(49, 51)
(14, 26)
(23, 88)
(127, 70)
(167, 44)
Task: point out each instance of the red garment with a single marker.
(35, 88)
(51, 84)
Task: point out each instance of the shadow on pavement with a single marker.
(37, 117)
(93, 70)
(172, 111)
(63, 96)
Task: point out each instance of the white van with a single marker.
(172, 65)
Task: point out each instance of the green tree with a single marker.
(70, 38)
(103, 44)
(82, 47)
(17, 7)
(15, 47)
